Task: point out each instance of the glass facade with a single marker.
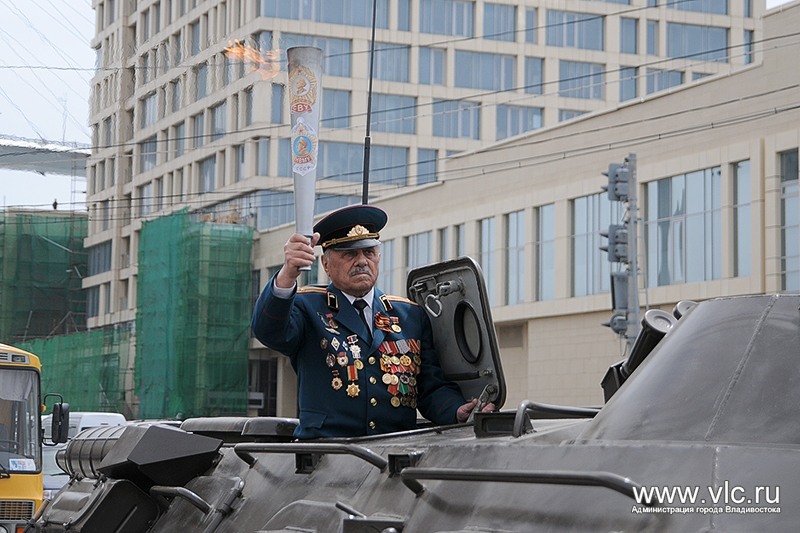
(590, 266)
(575, 30)
(452, 118)
(513, 120)
(447, 17)
(515, 257)
(700, 43)
(499, 22)
(742, 250)
(486, 254)
(683, 234)
(393, 113)
(581, 80)
(545, 252)
(478, 70)
(790, 222)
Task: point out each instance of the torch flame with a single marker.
(265, 62)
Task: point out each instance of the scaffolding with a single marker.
(88, 369)
(193, 317)
(42, 261)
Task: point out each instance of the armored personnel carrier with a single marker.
(697, 434)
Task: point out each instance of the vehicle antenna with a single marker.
(365, 181)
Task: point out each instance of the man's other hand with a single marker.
(463, 412)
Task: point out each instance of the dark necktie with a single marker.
(361, 305)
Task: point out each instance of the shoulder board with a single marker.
(311, 288)
(393, 298)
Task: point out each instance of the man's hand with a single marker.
(463, 412)
(297, 252)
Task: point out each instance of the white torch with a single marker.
(305, 77)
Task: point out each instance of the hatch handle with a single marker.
(565, 411)
(609, 480)
(245, 450)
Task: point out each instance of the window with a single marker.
(432, 65)
(447, 17)
(581, 80)
(335, 52)
(457, 119)
(659, 80)
(391, 62)
(683, 236)
(179, 139)
(499, 22)
(387, 267)
(276, 115)
(574, 30)
(99, 258)
(627, 83)
(199, 129)
(351, 12)
(335, 108)
(719, 7)
(486, 254)
(92, 301)
(201, 81)
(747, 48)
(149, 110)
(701, 43)
(444, 244)
(177, 97)
(741, 219)
(513, 120)
(479, 70)
(208, 174)
(194, 29)
(426, 165)
(628, 35)
(147, 154)
(404, 15)
(177, 49)
(461, 240)
(533, 75)
(590, 267)
(219, 114)
(418, 250)
(515, 257)
(248, 106)
(145, 193)
(239, 170)
(652, 37)
(790, 222)
(531, 23)
(394, 114)
(262, 157)
(545, 252)
(388, 165)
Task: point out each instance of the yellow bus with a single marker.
(21, 437)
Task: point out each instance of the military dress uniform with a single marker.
(352, 382)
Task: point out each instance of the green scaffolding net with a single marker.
(193, 316)
(42, 261)
(88, 369)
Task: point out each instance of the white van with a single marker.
(80, 420)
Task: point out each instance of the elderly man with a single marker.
(364, 359)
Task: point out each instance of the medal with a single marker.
(323, 343)
(335, 343)
(358, 364)
(330, 360)
(405, 360)
(352, 390)
(387, 379)
(396, 328)
(355, 350)
(342, 359)
(336, 383)
(395, 401)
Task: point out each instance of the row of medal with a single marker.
(399, 368)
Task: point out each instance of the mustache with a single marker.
(360, 270)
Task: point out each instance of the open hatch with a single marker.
(454, 296)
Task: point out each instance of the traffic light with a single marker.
(617, 182)
(617, 246)
(619, 302)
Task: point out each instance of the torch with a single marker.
(305, 76)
